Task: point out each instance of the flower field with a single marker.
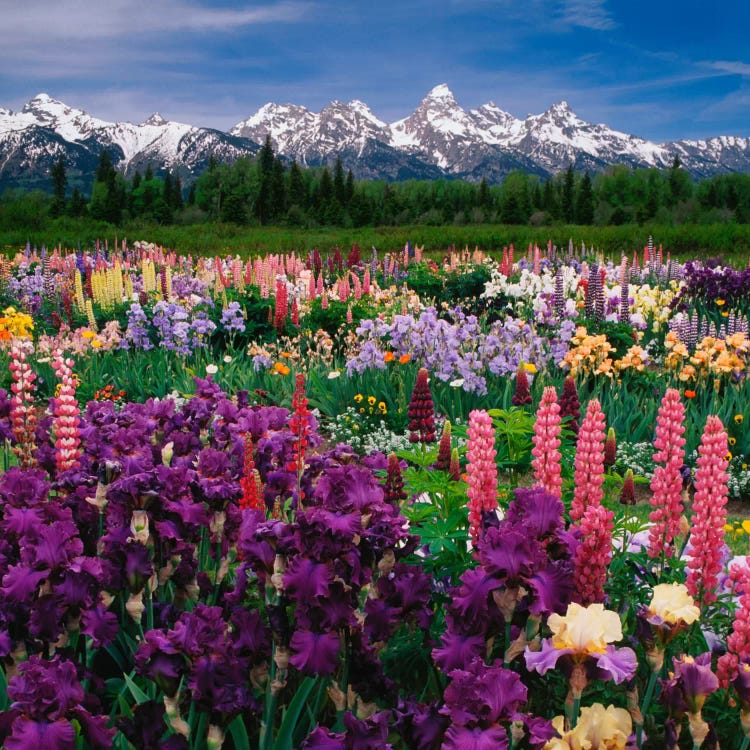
(373, 500)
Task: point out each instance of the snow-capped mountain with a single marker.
(439, 139)
(34, 138)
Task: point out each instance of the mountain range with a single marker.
(439, 139)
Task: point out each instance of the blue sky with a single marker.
(659, 69)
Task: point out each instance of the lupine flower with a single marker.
(252, 496)
(666, 484)
(481, 470)
(570, 406)
(546, 451)
(22, 412)
(627, 493)
(443, 461)
(421, 411)
(738, 641)
(66, 422)
(610, 448)
(709, 514)
(594, 555)
(300, 427)
(589, 462)
(522, 395)
(394, 482)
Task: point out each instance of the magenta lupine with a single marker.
(522, 395)
(594, 555)
(481, 470)
(570, 406)
(738, 641)
(282, 306)
(666, 484)
(23, 417)
(66, 423)
(421, 411)
(589, 462)
(546, 451)
(709, 514)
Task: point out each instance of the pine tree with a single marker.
(584, 213)
(568, 195)
(297, 194)
(149, 174)
(59, 181)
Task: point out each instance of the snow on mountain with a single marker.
(438, 139)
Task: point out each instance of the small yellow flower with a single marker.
(732, 441)
(96, 343)
(746, 526)
(530, 367)
(720, 302)
(739, 418)
(358, 398)
(382, 407)
(88, 334)
(371, 400)
(728, 456)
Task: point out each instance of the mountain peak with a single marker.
(441, 92)
(155, 119)
(42, 101)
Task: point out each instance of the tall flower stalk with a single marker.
(666, 484)
(546, 451)
(421, 411)
(300, 427)
(589, 462)
(67, 422)
(594, 555)
(481, 470)
(23, 416)
(709, 514)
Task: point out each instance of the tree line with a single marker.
(266, 190)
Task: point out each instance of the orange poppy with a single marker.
(281, 368)
(690, 394)
(389, 357)
(404, 358)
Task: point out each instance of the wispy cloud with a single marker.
(733, 67)
(75, 20)
(588, 14)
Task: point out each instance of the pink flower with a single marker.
(594, 555)
(66, 423)
(738, 642)
(709, 514)
(481, 471)
(546, 451)
(22, 412)
(589, 462)
(666, 484)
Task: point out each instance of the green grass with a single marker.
(732, 241)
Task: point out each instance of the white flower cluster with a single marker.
(349, 428)
(635, 456)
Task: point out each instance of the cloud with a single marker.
(730, 66)
(588, 14)
(77, 20)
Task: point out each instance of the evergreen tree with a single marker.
(137, 179)
(263, 207)
(191, 195)
(584, 211)
(177, 201)
(104, 169)
(297, 193)
(339, 185)
(484, 199)
(349, 189)
(278, 199)
(149, 174)
(59, 181)
(568, 195)
(77, 203)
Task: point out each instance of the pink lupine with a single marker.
(366, 281)
(738, 641)
(589, 462)
(23, 417)
(709, 514)
(66, 423)
(282, 306)
(481, 470)
(546, 451)
(593, 555)
(666, 484)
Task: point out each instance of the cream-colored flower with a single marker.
(598, 727)
(672, 603)
(586, 630)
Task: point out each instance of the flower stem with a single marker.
(575, 711)
(645, 706)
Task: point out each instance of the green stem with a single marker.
(266, 730)
(574, 713)
(645, 706)
(745, 743)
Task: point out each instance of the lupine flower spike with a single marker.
(22, 412)
(481, 470)
(66, 424)
(546, 451)
(709, 514)
(589, 462)
(594, 555)
(421, 411)
(570, 406)
(666, 484)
